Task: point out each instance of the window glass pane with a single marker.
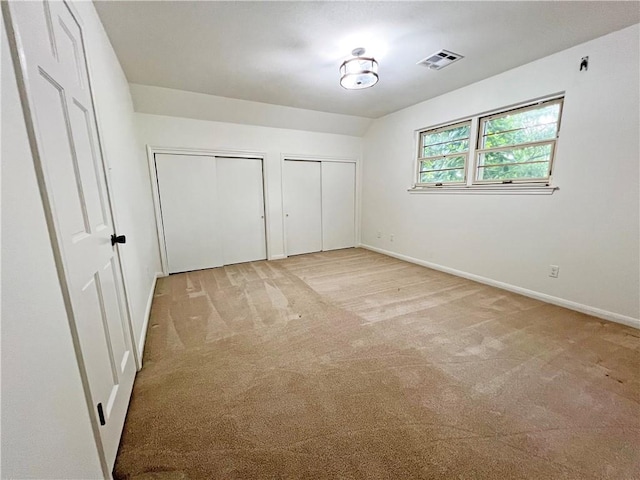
(442, 176)
(447, 149)
(522, 135)
(535, 153)
(514, 171)
(523, 119)
(442, 163)
(456, 146)
(454, 133)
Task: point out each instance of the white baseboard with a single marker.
(579, 307)
(147, 315)
(278, 257)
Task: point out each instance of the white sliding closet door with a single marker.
(240, 192)
(188, 200)
(302, 206)
(338, 205)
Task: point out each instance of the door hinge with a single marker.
(101, 414)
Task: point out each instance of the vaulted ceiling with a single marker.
(288, 53)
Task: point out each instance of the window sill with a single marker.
(486, 190)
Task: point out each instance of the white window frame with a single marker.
(513, 181)
(464, 154)
(471, 185)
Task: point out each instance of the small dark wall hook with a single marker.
(584, 63)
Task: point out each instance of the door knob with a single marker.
(118, 239)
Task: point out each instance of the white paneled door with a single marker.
(241, 197)
(338, 205)
(212, 210)
(302, 197)
(189, 202)
(62, 126)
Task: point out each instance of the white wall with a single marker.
(590, 227)
(165, 131)
(131, 187)
(178, 103)
(46, 431)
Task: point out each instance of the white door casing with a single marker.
(187, 186)
(338, 205)
(61, 122)
(302, 201)
(241, 209)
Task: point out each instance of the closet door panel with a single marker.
(338, 205)
(302, 198)
(188, 202)
(241, 200)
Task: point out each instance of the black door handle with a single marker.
(118, 239)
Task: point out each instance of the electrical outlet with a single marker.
(554, 270)
(391, 237)
(379, 235)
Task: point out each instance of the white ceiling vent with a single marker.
(440, 59)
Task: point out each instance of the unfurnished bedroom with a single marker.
(320, 240)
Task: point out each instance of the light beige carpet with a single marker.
(355, 365)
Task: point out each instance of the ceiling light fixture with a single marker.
(358, 72)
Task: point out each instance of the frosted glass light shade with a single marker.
(358, 73)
